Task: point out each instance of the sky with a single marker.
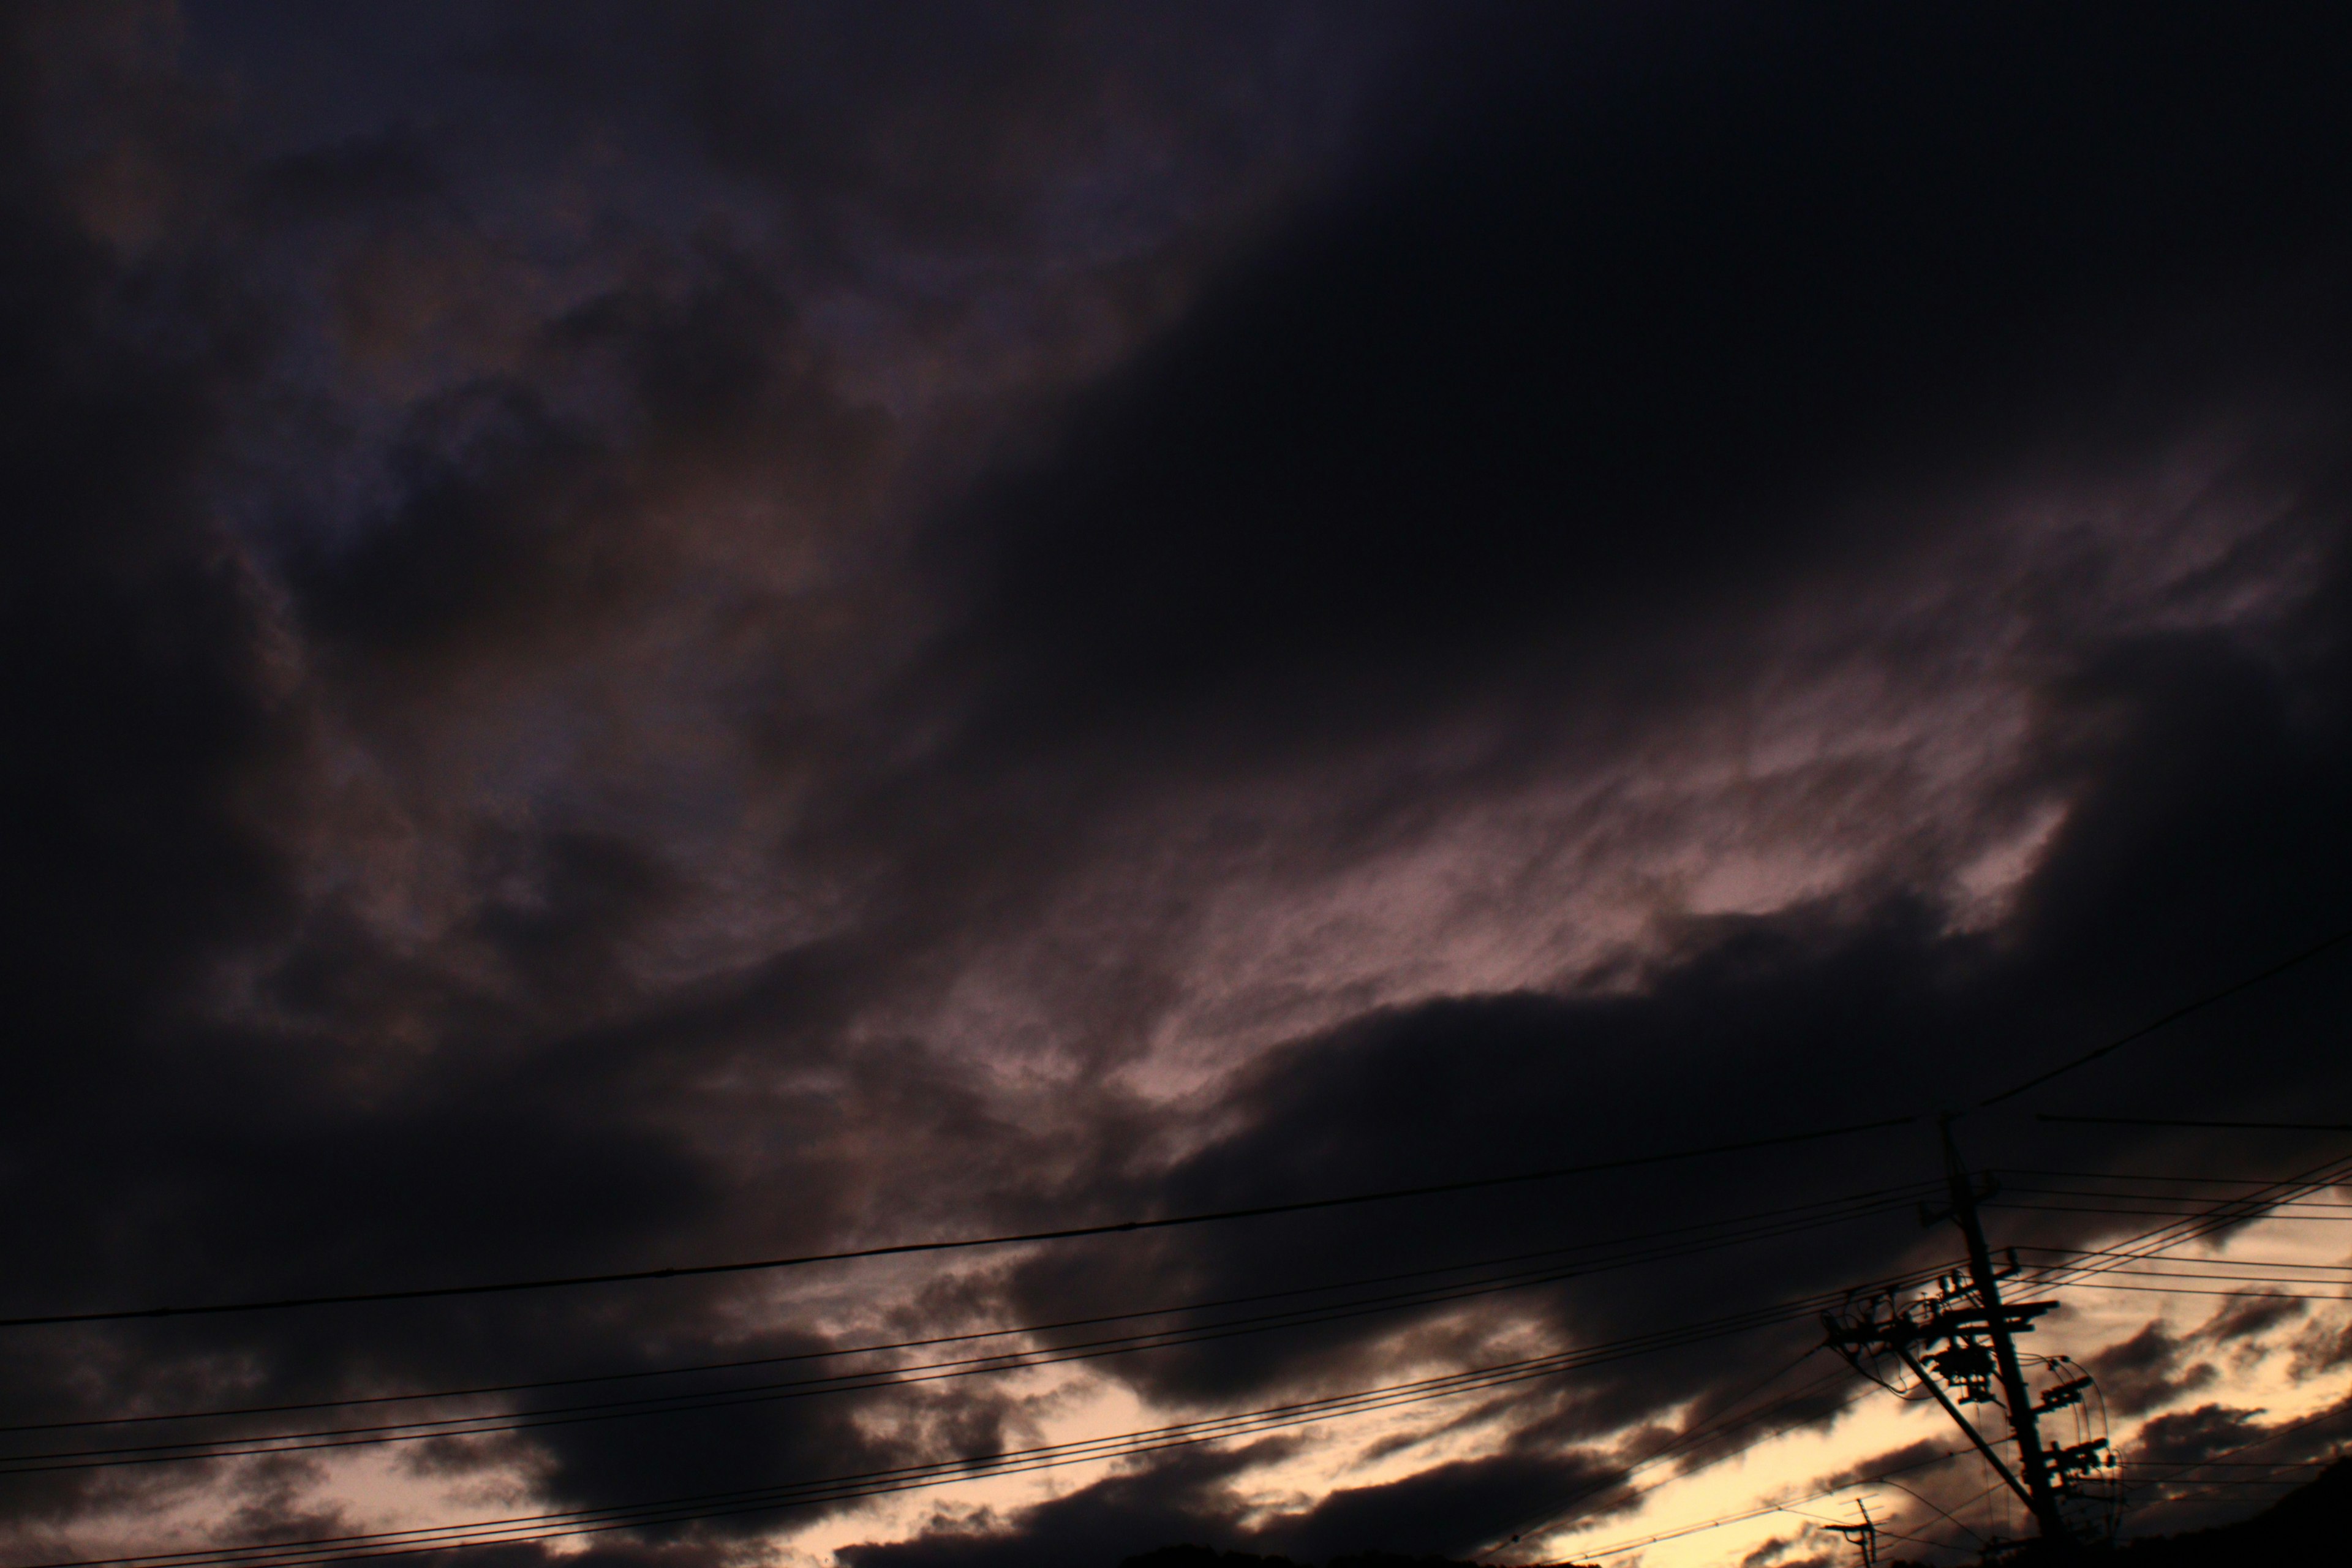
(641, 636)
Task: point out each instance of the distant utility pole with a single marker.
(1965, 1335)
(1863, 1535)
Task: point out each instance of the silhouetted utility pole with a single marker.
(2001, 1328)
(1964, 1335)
(1865, 1535)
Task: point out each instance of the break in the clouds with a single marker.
(645, 635)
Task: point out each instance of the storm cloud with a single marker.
(647, 637)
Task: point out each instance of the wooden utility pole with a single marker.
(2040, 1496)
(1976, 1331)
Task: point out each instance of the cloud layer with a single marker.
(640, 639)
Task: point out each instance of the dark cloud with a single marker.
(1442, 1512)
(1530, 396)
(1182, 1499)
(2146, 1371)
(2186, 1494)
(363, 174)
(2191, 1435)
(1910, 1456)
(647, 637)
(1428, 1516)
(1772, 1550)
(2321, 1348)
(2251, 1315)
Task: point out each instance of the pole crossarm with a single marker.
(1958, 1342)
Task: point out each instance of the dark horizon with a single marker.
(644, 639)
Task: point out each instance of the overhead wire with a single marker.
(1884, 1477)
(1949, 1516)
(1014, 1361)
(2262, 1440)
(2155, 1176)
(2222, 1214)
(1738, 1230)
(2098, 1267)
(559, 1523)
(904, 1248)
(2187, 1226)
(2135, 1257)
(2222, 1295)
(2198, 1005)
(1010, 1360)
(1721, 1520)
(2217, 1277)
(1799, 1216)
(1877, 1527)
(1228, 1427)
(2163, 1238)
(2205, 1124)
(1552, 1522)
(1674, 1446)
(1018, 1357)
(2176, 1205)
(2158, 1203)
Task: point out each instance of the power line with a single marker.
(2179, 1121)
(2330, 1213)
(2204, 1218)
(1066, 1233)
(2122, 1203)
(1560, 1513)
(2178, 1469)
(2192, 1225)
(2150, 1027)
(2240, 1263)
(2163, 1203)
(2240, 1279)
(1692, 1436)
(1719, 1523)
(441, 1538)
(1969, 1315)
(768, 1498)
(1015, 1360)
(2261, 1441)
(1947, 1515)
(2102, 1283)
(2159, 1177)
(2309, 1194)
(1664, 1244)
(1479, 1378)
(2235, 1210)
